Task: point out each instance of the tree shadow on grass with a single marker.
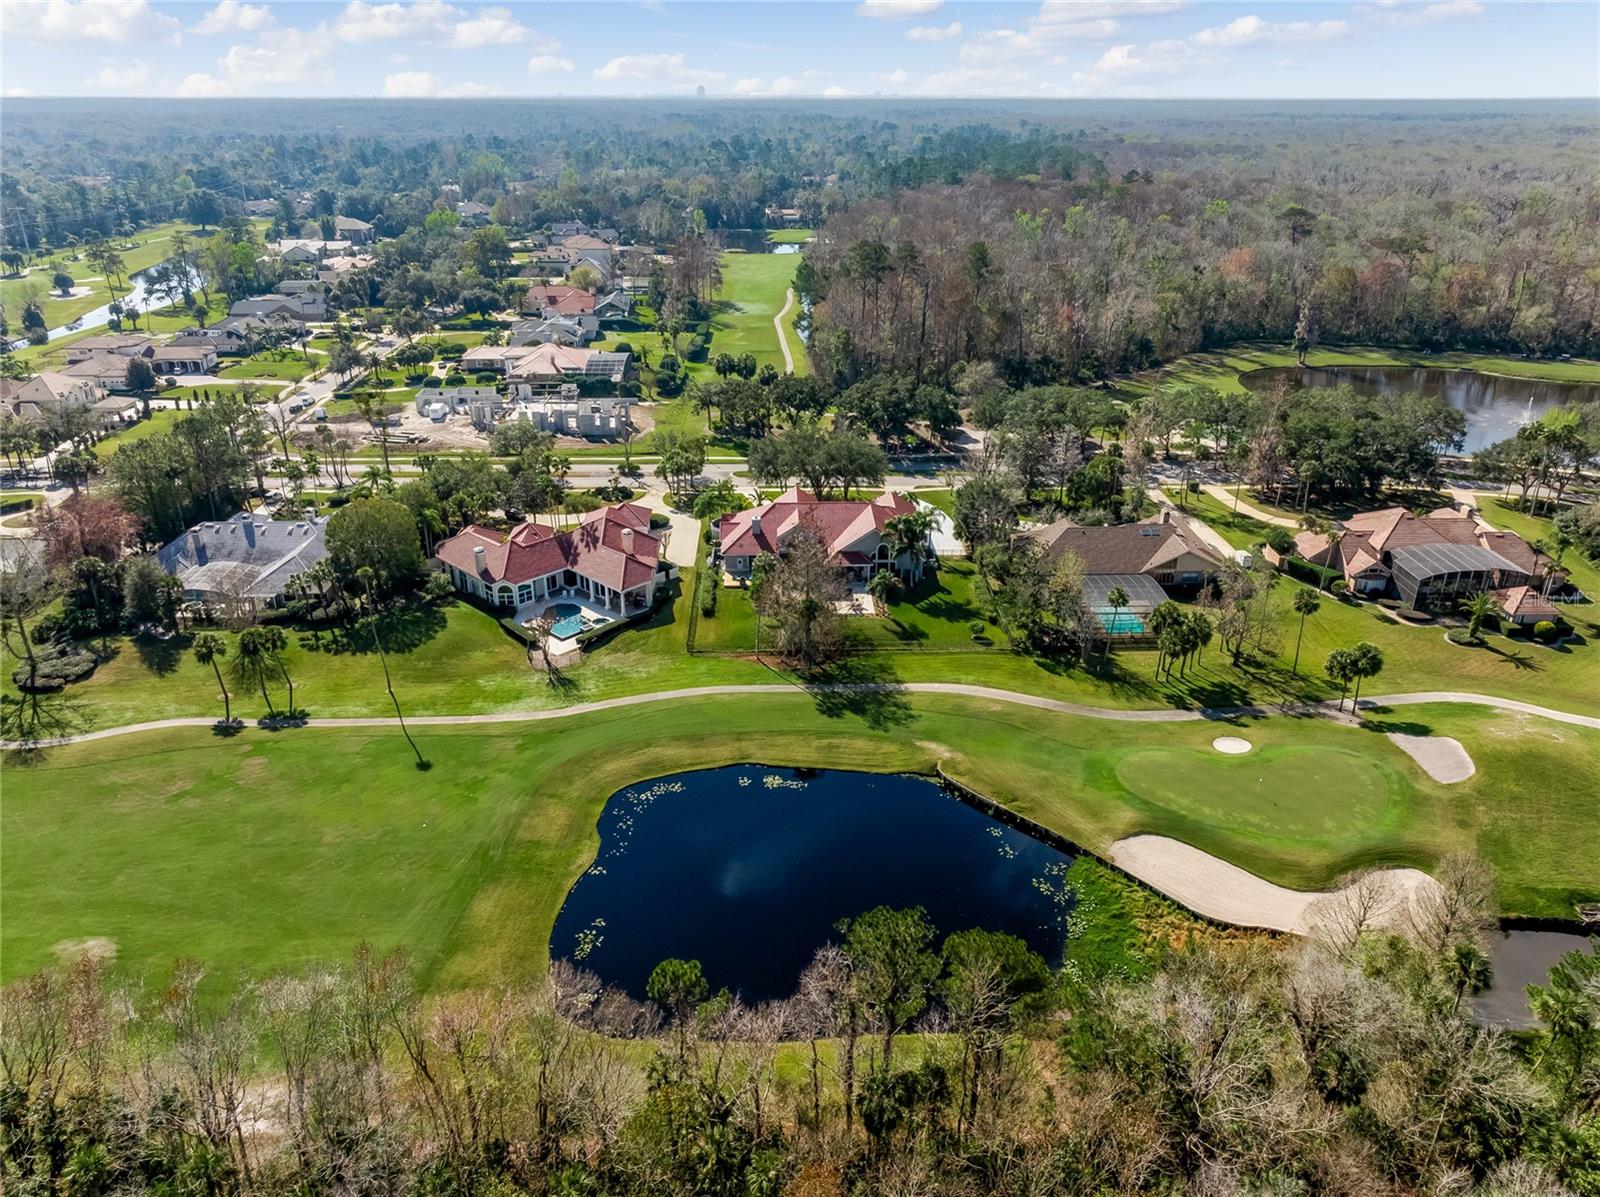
(1517, 659)
(161, 656)
(860, 685)
(404, 629)
(28, 719)
(1391, 726)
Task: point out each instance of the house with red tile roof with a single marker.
(553, 299)
(1431, 560)
(852, 530)
(610, 558)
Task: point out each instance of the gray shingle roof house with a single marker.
(247, 559)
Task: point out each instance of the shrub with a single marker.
(1389, 604)
(432, 381)
(49, 628)
(1459, 636)
(708, 584)
(451, 350)
(1544, 630)
(59, 664)
(658, 521)
(485, 378)
(454, 379)
(1414, 615)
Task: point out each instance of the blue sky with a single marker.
(1057, 48)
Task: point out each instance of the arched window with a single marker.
(503, 595)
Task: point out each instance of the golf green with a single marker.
(1310, 791)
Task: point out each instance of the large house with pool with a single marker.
(604, 569)
(851, 529)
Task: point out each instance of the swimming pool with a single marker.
(1120, 623)
(569, 620)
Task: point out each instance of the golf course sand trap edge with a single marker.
(1441, 758)
(1232, 745)
(1210, 886)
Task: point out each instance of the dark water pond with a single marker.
(748, 869)
(1523, 958)
(754, 241)
(1495, 407)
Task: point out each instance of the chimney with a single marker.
(627, 541)
(478, 558)
(195, 549)
(755, 525)
(249, 532)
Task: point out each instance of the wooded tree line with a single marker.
(1075, 280)
(903, 1063)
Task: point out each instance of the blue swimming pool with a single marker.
(1120, 623)
(569, 620)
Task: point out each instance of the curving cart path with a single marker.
(989, 693)
(777, 327)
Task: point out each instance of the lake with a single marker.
(1495, 406)
(754, 241)
(748, 869)
(1523, 958)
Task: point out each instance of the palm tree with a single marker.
(1117, 599)
(209, 649)
(1340, 667)
(1366, 661)
(908, 534)
(253, 664)
(1306, 603)
(882, 586)
(1470, 970)
(365, 575)
(1477, 609)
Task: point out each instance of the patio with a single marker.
(577, 613)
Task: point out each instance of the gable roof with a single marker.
(1123, 548)
(593, 549)
(839, 523)
(1525, 601)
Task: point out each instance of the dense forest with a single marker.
(907, 1062)
(1066, 241)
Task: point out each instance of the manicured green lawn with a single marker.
(271, 850)
(285, 364)
(752, 293)
(1241, 531)
(790, 236)
(161, 420)
(1585, 573)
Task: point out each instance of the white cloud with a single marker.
(550, 64)
(422, 85)
(201, 86)
(363, 22)
(976, 81)
(1409, 15)
(835, 92)
(748, 87)
(666, 70)
(17, 93)
(1244, 30)
(895, 78)
(933, 33)
(90, 20)
(784, 85)
(398, 59)
(234, 16)
(278, 57)
(491, 27)
(1048, 30)
(1085, 10)
(897, 10)
(133, 77)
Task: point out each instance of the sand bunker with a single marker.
(1232, 745)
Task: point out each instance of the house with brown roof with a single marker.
(555, 299)
(852, 530)
(611, 559)
(124, 344)
(52, 389)
(1427, 561)
(1144, 560)
(357, 232)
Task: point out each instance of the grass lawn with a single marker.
(161, 420)
(752, 293)
(790, 236)
(1222, 369)
(287, 365)
(296, 845)
(1241, 531)
(263, 391)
